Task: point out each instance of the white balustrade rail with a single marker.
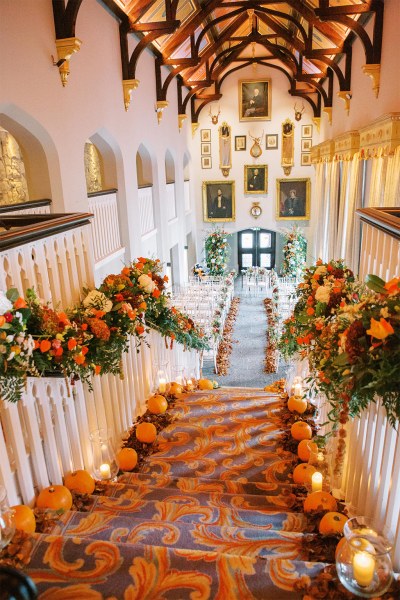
(146, 210)
(35, 207)
(105, 225)
(186, 192)
(171, 202)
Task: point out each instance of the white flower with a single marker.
(29, 345)
(9, 338)
(146, 283)
(5, 304)
(384, 312)
(321, 270)
(96, 299)
(323, 294)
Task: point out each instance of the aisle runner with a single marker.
(207, 517)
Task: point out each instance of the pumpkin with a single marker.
(302, 473)
(146, 432)
(305, 448)
(175, 389)
(332, 522)
(205, 384)
(319, 501)
(127, 459)
(297, 404)
(157, 404)
(24, 518)
(55, 497)
(80, 481)
(301, 431)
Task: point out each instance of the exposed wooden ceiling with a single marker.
(203, 41)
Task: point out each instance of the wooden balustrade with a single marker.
(146, 210)
(171, 202)
(31, 207)
(105, 225)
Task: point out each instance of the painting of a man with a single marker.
(218, 201)
(255, 100)
(255, 179)
(293, 199)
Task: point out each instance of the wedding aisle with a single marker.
(248, 351)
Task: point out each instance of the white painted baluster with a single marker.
(49, 438)
(28, 401)
(7, 478)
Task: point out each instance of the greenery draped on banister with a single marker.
(88, 338)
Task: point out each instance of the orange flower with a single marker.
(165, 278)
(319, 326)
(142, 260)
(143, 305)
(20, 303)
(126, 271)
(319, 262)
(59, 351)
(131, 314)
(173, 310)
(329, 268)
(99, 314)
(139, 266)
(45, 346)
(84, 350)
(2, 320)
(84, 326)
(310, 300)
(79, 359)
(71, 343)
(63, 319)
(380, 329)
(97, 369)
(310, 311)
(300, 340)
(139, 329)
(393, 286)
(172, 336)
(156, 293)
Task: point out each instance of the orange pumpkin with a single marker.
(24, 518)
(205, 384)
(175, 389)
(332, 522)
(146, 432)
(305, 448)
(157, 404)
(80, 481)
(127, 459)
(301, 431)
(297, 404)
(303, 473)
(55, 497)
(320, 501)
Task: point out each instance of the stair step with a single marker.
(75, 567)
(231, 540)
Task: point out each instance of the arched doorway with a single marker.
(256, 248)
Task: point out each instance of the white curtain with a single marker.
(315, 251)
(332, 202)
(376, 192)
(392, 195)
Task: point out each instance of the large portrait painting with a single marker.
(255, 100)
(255, 179)
(293, 199)
(218, 201)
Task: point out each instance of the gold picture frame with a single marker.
(293, 197)
(255, 100)
(206, 162)
(240, 142)
(255, 179)
(218, 201)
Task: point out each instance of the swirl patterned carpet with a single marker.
(210, 516)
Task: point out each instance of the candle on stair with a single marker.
(298, 390)
(316, 481)
(162, 385)
(105, 471)
(363, 568)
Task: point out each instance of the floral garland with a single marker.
(350, 334)
(90, 337)
(294, 252)
(271, 352)
(217, 252)
(225, 345)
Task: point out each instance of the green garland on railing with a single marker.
(90, 337)
(350, 334)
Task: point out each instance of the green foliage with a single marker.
(294, 252)
(217, 252)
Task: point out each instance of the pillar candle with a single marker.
(363, 568)
(316, 481)
(105, 471)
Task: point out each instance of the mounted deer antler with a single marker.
(214, 118)
(298, 113)
(256, 150)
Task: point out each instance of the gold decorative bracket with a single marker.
(373, 71)
(160, 105)
(317, 122)
(328, 111)
(225, 171)
(66, 47)
(287, 170)
(128, 85)
(346, 97)
(181, 120)
(195, 127)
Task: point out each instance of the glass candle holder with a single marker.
(363, 563)
(191, 382)
(7, 526)
(161, 381)
(105, 466)
(178, 375)
(321, 459)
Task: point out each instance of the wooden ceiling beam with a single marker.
(65, 16)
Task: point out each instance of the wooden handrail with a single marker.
(386, 219)
(102, 192)
(24, 205)
(27, 228)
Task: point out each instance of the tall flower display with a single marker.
(294, 252)
(217, 251)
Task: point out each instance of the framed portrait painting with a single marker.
(205, 148)
(306, 145)
(205, 135)
(218, 201)
(240, 142)
(293, 199)
(271, 141)
(306, 159)
(206, 162)
(255, 100)
(255, 179)
(306, 131)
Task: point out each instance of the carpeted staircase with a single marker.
(210, 515)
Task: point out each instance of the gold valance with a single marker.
(326, 151)
(383, 135)
(315, 154)
(346, 145)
